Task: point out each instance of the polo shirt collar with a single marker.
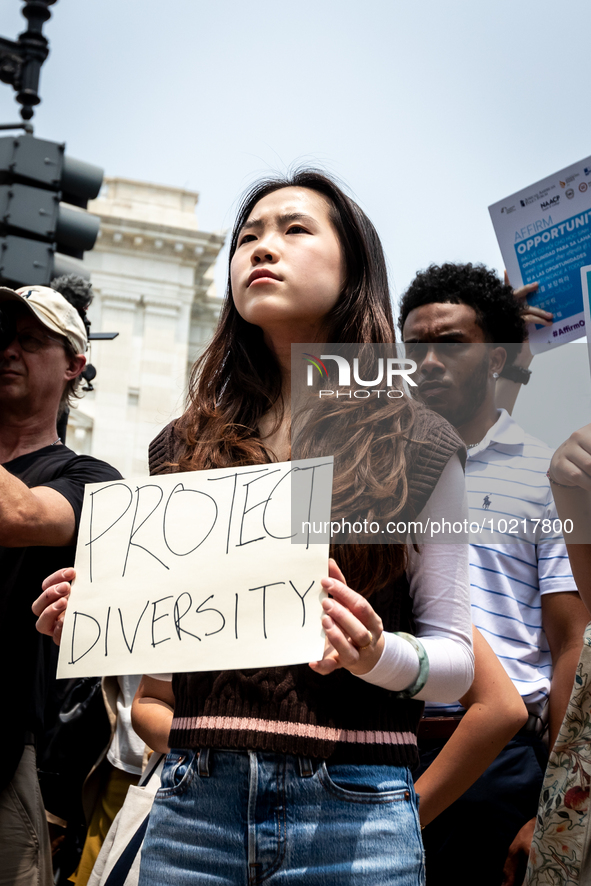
(505, 432)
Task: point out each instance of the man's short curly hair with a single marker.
(497, 312)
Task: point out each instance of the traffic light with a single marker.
(39, 234)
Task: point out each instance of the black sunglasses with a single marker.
(31, 342)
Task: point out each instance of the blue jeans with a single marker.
(241, 818)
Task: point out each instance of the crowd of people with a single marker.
(449, 669)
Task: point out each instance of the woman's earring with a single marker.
(495, 375)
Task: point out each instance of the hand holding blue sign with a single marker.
(531, 314)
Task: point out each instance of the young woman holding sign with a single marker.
(301, 774)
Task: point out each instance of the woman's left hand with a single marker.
(354, 631)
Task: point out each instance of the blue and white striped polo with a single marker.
(517, 555)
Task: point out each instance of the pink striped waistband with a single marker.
(299, 730)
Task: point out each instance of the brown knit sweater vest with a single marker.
(292, 709)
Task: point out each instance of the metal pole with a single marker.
(21, 60)
(36, 49)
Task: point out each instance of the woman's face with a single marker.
(288, 270)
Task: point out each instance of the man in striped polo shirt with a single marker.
(524, 599)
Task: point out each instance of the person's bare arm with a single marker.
(506, 390)
(580, 561)
(564, 618)
(570, 480)
(494, 713)
(151, 712)
(38, 516)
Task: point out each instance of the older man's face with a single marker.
(33, 365)
(452, 356)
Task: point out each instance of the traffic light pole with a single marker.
(36, 229)
(21, 59)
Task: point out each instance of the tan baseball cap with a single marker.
(53, 310)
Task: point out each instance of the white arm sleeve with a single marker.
(440, 590)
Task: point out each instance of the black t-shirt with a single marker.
(28, 659)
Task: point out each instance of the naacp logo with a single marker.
(553, 201)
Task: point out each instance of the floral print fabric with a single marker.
(560, 844)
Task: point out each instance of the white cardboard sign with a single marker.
(207, 570)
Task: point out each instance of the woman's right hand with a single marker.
(50, 607)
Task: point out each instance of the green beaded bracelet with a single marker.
(423, 675)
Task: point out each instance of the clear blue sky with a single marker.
(429, 111)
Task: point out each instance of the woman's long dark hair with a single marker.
(237, 381)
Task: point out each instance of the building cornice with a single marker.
(180, 244)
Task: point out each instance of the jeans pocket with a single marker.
(366, 784)
(178, 772)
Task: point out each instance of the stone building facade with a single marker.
(152, 275)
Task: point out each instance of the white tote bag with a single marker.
(118, 863)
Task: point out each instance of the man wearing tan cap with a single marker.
(42, 346)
